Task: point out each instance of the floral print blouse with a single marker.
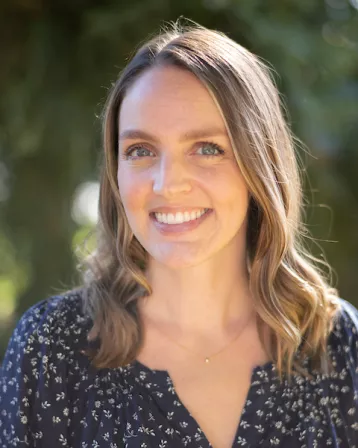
(52, 397)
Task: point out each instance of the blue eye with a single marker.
(213, 147)
(139, 151)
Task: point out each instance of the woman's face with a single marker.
(175, 158)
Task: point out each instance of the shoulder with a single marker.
(39, 364)
(344, 335)
(49, 318)
(49, 324)
(348, 315)
(346, 318)
(52, 311)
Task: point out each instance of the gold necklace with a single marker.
(206, 358)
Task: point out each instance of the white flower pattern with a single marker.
(51, 396)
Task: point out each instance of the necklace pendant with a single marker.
(207, 360)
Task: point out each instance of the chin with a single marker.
(177, 260)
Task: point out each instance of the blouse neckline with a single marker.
(156, 378)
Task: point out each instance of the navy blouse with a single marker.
(51, 396)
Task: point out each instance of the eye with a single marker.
(210, 149)
(136, 152)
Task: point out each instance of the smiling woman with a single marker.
(202, 321)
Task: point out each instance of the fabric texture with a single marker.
(51, 396)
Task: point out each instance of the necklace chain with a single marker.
(206, 358)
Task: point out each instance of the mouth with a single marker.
(179, 222)
(176, 218)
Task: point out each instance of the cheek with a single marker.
(228, 188)
(132, 189)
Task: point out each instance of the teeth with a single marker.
(179, 218)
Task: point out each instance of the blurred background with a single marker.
(59, 57)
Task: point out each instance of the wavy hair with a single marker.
(292, 294)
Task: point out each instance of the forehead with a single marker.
(170, 97)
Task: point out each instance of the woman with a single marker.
(201, 321)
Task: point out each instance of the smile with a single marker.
(177, 223)
(180, 217)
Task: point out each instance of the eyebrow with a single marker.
(135, 134)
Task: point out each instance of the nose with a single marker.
(171, 177)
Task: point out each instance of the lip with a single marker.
(168, 229)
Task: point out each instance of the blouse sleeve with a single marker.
(32, 389)
(350, 324)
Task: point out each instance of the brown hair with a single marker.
(292, 296)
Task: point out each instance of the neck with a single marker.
(210, 297)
